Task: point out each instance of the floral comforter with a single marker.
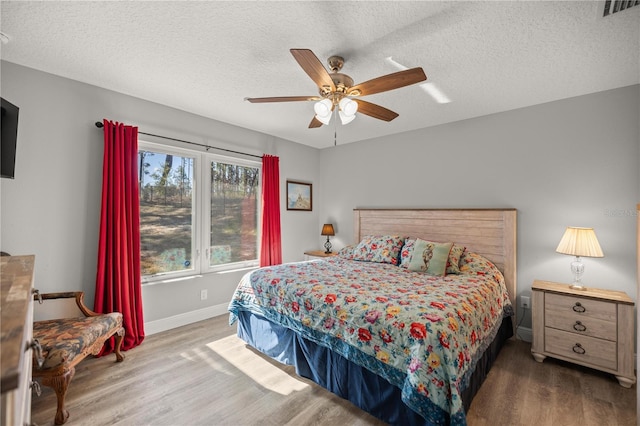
(422, 333)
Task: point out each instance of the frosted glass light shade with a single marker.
(348, 106)
(346, 119)
(324, 119)
(323, 107)
(323, 110)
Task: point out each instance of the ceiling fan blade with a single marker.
(388, 82)
(375, 111)
(283, 99)
(313, 67)
(315, 123)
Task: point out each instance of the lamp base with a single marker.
(327, 246)
(577, 286)
(577, 268)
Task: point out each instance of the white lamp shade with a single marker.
(323, 108)
(324, 119)
(348, 107)
(346, 119)
(580, 242)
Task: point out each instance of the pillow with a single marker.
(380, 249)
(453, 263)
(430, 257)
(472, 263)
(346, 252)
(406, 252)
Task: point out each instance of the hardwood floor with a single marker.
(201, 374)
(521, 391)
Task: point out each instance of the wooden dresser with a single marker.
(592, 327)
(16, 311)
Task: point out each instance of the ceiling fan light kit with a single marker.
(348, 106)
(347, 109)
(346, 119)
(323, 108)
(336, 89)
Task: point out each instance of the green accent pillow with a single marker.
(430, 257)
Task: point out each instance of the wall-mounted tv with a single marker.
(9, 135)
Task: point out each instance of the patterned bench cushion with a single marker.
(63, 340)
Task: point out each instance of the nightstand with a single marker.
(592, 327)
(314, 254)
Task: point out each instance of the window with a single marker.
(167, 212)
(233, 232)
(187, 228)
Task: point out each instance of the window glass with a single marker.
(234, 213)
(166, 212)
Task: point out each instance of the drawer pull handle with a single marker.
(578, 307)
(578, 326)
(35, 386)
(577, 348)
(36, 294)
(37, 348)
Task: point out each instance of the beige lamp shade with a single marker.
(580, 242)
(327, 229)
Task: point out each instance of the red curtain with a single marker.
(271, 245)
(118, 281)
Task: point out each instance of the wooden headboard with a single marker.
(488, 232)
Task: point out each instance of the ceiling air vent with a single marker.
(614, 6)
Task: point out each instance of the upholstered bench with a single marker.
(67, 341)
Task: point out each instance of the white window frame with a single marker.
(200, 219)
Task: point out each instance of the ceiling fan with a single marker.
(338, 91)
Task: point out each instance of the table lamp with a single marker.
(327, 229)
(579, 242)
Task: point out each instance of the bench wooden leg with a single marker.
(119, 337)
(60, 385)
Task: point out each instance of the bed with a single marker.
(382, 325)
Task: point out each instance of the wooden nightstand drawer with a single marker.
(580, 306)
(585, 326)
(589, 350)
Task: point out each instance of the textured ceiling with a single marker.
(206, 57)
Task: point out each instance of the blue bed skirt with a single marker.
(346, 379)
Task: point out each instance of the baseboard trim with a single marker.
(525, 334)
(164, 324)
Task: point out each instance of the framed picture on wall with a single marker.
(299, 196)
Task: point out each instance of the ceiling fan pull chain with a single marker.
(335, 129)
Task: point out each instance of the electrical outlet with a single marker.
(203, 294)
(525, 302)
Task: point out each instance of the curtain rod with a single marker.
(101, 125)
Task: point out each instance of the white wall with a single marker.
(573, 162)
(52, 207)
